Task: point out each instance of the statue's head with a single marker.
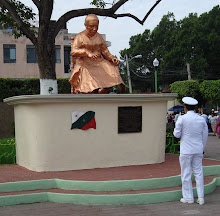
(91, 24)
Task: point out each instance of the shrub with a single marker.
(13, 87)
(188, 88)
(210, 90)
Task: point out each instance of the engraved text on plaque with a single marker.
(129, 119)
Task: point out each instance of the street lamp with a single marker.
(128, 71)
(155, 64)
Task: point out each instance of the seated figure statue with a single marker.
(95, 69)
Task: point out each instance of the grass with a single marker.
(7, 151)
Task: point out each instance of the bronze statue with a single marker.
(92, 73)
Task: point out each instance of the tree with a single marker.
(44, 39)
(210, 90)
(140, 44)
(209, 26)
(26, 14)
(194, 40)
(188, 88)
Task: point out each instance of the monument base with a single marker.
(45, 141)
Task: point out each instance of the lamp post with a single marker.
(128, 70)
(155, 64)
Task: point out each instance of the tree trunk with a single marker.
(48, 86)
(47, 61)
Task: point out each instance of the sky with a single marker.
(118, 31)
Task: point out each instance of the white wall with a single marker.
(45, 142)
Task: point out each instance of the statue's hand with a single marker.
(115, 61)
(93, 56)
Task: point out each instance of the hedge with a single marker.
(206, 90)
(210, 90)
(185, 88)
(13, 87)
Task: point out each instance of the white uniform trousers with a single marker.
(191, 163)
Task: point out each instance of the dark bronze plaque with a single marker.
(129, 119)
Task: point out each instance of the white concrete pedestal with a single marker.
(44, 141)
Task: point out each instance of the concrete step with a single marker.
(108, 186)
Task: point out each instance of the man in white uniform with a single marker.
(193, 131)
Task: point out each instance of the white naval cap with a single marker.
(189, 101)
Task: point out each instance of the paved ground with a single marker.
(212, 206)
(212, 149)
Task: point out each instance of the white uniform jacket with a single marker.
(193, 131)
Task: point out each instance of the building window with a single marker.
(9, 53)
(58, 56)
(67, 59)
(31, 54)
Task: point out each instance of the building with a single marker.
(18, 58)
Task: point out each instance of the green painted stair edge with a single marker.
(118, 185)
(24, 198)
(28, 185)
(88, 199)
(121, 185)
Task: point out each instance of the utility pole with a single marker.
(188, 71)
(128, 73)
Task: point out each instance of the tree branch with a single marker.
(128, 15)
(110, 12)
(37, 3)
(77, 13)
(46, 26)
(149, 12)
(20, 23)
(117, 5)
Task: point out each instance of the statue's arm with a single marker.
(77, 50)
(107, 55)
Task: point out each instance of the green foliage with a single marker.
(14, 87)
(101, 3)
(13, 129)
(194, 40)
(207, 90)
(169, 129)
(98, 3)
(162, 37)
(210, 90)
(7, 151)
(172, 143)
(25, 13)
(188, 88)
(64, 86)
(140, 44)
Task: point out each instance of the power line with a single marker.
(144, 77)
